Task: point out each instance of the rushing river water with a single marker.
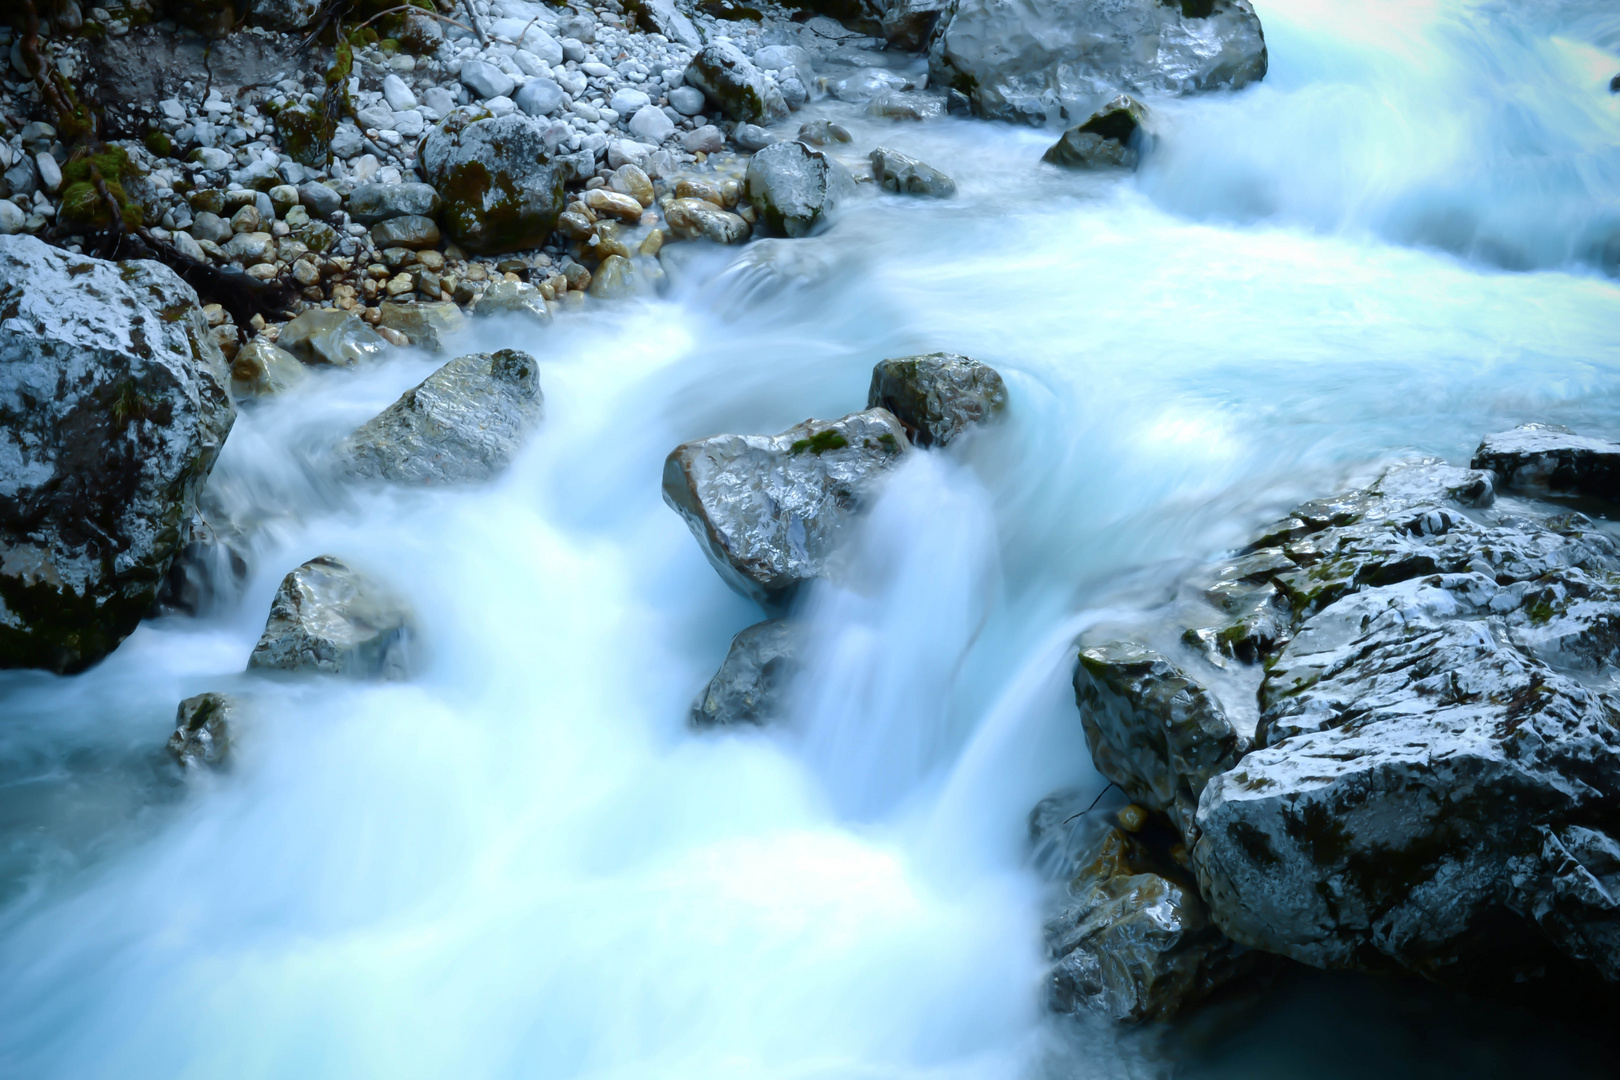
(522, 863)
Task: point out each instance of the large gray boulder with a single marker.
(1547, 458)
(462, 424)
(937, 395)
(769, 509)
(1044, 61)
(753, 679)
(1152, 729)
(735, 86)
(328, 617)
(499, 180)
(793, 188)
(113, 408)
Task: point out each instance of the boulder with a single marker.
(1040, 61)
(202, 731)
(905, 175)
(1107, 139)
(793, 188)
(514, 297)
(330, 336)
(426, 323)
(501, 189)
(1546, 459)
(735, 86)
(1152, 729)
(908, 24)
(1130, 939)
(415, 233)
(700, 219)
(372, 203)
(752, 680)
(113, 407)
(329, 618)
(938, 395)
(665, 18)
(769, 509)
(462, 424)
(260, 368)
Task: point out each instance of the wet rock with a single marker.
(751, 138)
(1547, 458)
(1152, 729)
(904, 175)
(793, 188)
(769, 509)
(617, 278)
(1048, 60)
(908, 24)
(735, 86)
(694, 219)
(1107, 139)
(202, 731)
(1130, 940)
(373, 203)
(500, 187)
(615, 204)
(427, 323)
(823, 133)
(330, 336)
(319, 200)
(415, 233)
(514, 297)
(291, 15)
(462, 424)
(328, 617)
(261, 368)
(211, 227)
(753, 679)
(633, 181)
(938, 395)
(113, 407)
(899, 105)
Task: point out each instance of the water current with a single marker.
(522, 863)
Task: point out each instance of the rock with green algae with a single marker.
(202, 731)
(937, 395)
(261, 368)
(498, 178)
(732, 84)
(113, 408)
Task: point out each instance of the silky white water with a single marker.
(522, 863)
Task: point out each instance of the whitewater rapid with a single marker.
(522, 863)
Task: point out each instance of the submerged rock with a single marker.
(501, 188)
(768, 509)
(330, 336)
(1547, 459)
(1152, 729)
(1109, 138)
(936, 396)
(261, 368)
(904, 175)
(514, 297)
(202, 732)
(462, 424)
(427, 323)
(700, 219)
(750, 684)
(113, 408)
(735, 86)
(1047, 60)
(793, 188)
(329, 618)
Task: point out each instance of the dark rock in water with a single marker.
(202, 732)
(904, 175)
(1108, 138)
(1614, 85)
(113, 407)
(1546, 458)
(462, 424)
(751, 137)
(1259, 618)
(427, 323)
(793, 188)
(735, 86)
(500, 180)
(1152, 729)
(769, 509)
(823, 132)
(749, 686)
(413, 232)
(958, 104)
(1131, 939)
(1044, 60)
(328, 617)
(938, 395)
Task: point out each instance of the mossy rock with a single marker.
(499, 188)
(303, 136)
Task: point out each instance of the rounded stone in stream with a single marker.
(330, 336)
(937, 395)
(1109, 138)
(462, 424)
(113, 408)
(328, 617)
(371, 203)
(260, 368)
(749, 686)
(905, 175)
(426, 323)
(202, 733)
(769, 509)
(793, 188)
(1547, 458)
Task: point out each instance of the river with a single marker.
(523, 863)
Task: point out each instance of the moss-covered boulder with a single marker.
(735, 86)
(303, 136)
(113, 407)
(500, 187)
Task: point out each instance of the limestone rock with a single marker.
(413, 232)
(905, 175)
(694, 219)
(426, 323)
(1039, 61)
(202, 731)
(734, 85)
(938, 395)
(113, 407)
(667, 19)
(500, 185)
(462, 424)
(514, 297)
(1546, 458)
(372, 203)
(261, 368)
(1107, 139)
(769, 509)
(793, 188)
(749, 686)
(330, 336)
(329, 618)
